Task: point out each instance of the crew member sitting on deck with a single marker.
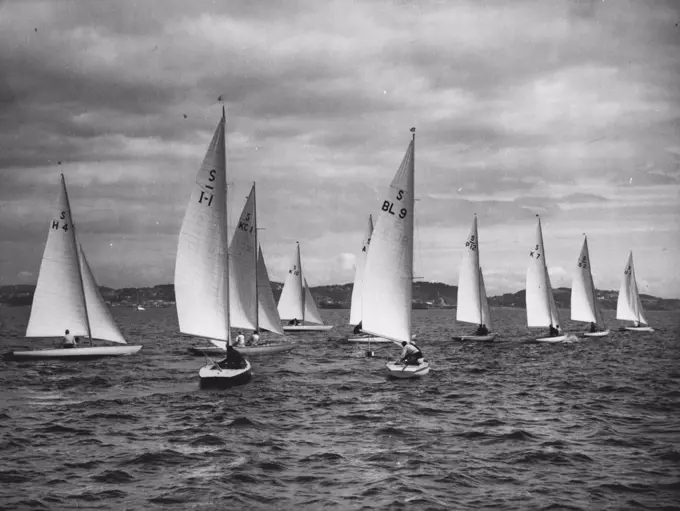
(69, 341)
(294, 322)
(357, 329)
(554, 330)
(593, 327)
(411, 354)
(233, 360)
(240, 339)
(482, 330)
(254, 338)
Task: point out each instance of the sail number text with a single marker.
(244, 224)
(294, 270)
(208, 196)
(471, 243)
(583, 263)
(63, 225)
(535, 254)
(389, 206)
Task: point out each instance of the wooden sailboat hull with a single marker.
(74, 353)
(639, 329)
(402, 371)
(307, 328)
(557, 338)
(482, 338)
(213, 377)
(596, 334)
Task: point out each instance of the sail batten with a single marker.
(357, 288)
(388, 274)
(201, 268)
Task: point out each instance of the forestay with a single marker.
(291, 301)
(58, 301)
(629, 306)
(357, 288)
(540, 303)
(201, 266)
(583, 305)
(388, 274)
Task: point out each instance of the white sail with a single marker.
(201, 292)
(243, 269)
(312, 314)
(355, 309)
(469, 302)
(486, 314)
(540, 302)
(388, 274)
(583, 304)
(102, 325)
(59, 302)
(291, 301)
(629, 306)
(268, 315)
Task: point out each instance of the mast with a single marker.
(225, 234)
(303, 281)
(548, 287)
(413, 212)
(256, 254)
(592, 286)
(80, 271)
(479, 276)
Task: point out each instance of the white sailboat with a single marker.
(202, 266)
(139, 303)
(629, 306)
(473, 306)
(67, 296)
(296, 303)
(584, 306)
(252, 304)
(540, 302)
(388, 274)
(357, 290)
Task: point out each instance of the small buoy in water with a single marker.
(369, 353)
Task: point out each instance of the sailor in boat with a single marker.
(593, 327)
(357, 329)
(482, 330)
(554, 330)
(69, 340)
(411, 354)
(233, 360)
(294, 322)
(636, 324)
(254, 338)
(240, 339)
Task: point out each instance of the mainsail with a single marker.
(357, 288)
(292, 299)
(388, 274)
(583, 303)
(243, 268)
(629, 306)
(540, 302)
(469, 307)
(201, 268)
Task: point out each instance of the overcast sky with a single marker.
(569, 109)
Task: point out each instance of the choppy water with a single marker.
(509, 425)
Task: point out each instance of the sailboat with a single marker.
(202, 266)
(252, 305)
(629, 306)
(357, 290)
(584, 306)
(473, 306)
(388, 274)
(296, 303)
(139, 303)
(540, 302)
(67, 296)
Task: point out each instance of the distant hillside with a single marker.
(338, 296)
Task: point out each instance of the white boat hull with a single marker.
(307, 328)
(596, 334)
(74, 353)
(482, 338)
(402, 371)
(212, 376)
(264, 349)
(373, 339)
(557, 338)
(639, 328)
